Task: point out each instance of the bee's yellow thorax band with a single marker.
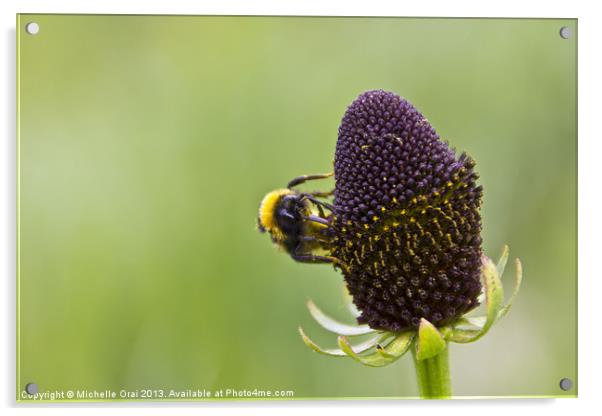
(267, 211)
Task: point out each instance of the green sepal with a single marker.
(398, 347)
(430, 341)
(501, 263)
(518, 278)
(462, 336)
(494, 293)
(483, 323)
(392, 352)
(501, 266)
(335, 326)
(471, 321)
(335, 352)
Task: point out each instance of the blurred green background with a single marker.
(147, 142)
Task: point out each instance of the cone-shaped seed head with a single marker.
(407, 221)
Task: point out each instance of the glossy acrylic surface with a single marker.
(147, 142)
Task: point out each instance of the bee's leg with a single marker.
(318, 203)
(321, 204)
(313, 239)
(317, 219)
(304, 178)
(320, 194)
(321, 211)
(312, 258)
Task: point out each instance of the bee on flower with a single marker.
(404, 226)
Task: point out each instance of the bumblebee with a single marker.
(297, 221)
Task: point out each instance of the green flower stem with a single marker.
(433, 375)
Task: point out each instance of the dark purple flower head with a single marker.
(407, 220)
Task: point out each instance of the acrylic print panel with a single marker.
(148, 143)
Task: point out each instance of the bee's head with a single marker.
(280, 213)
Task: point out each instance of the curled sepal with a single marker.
(494, 296)
(471, 321)
(462, 336)
(396, 348)
(430, 341)
(518, 278)
(463, 330)
(389, 354)
(335, 326)
(335, 352)
(500, 266)
(501, 263)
